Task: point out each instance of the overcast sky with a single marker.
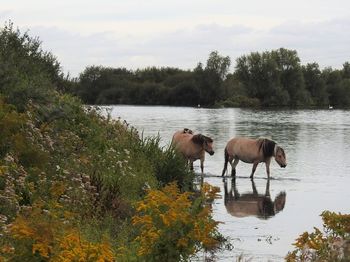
(180, 33)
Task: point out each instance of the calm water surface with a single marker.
(317, 177)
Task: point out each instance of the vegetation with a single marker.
(331, 244)
(271, 78)
(72, 182)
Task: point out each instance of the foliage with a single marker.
(171, 228)
(168, 163)
(27, 73)
(154, 86)
(239, 101)
(270, 78)
(331, 244)
(315, 84)
(40, 234)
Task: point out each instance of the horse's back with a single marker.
(241, 144)
(246, 149)
(181, 137)
(182, 141)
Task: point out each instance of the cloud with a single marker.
(5, 14)
(76, 51)
(325, 42)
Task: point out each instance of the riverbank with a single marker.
(75, 185)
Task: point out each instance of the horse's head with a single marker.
(280, 157)
(205, 141)
(280, 202)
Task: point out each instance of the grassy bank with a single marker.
(76, 186)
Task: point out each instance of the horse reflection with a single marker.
(252, 204)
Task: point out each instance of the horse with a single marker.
(253, 203)
(253, 151)
(192, 146)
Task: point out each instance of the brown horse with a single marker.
(252, 203)
(192, 147)
(253, 151)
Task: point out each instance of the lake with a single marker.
(317, 177)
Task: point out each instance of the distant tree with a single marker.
(233, 87)
(185, 93)
(275, 77)
(346, 70)
(173, 80)
(333, 79)
(88, 89)
(210, 79)
(315, 84)
(218, 64)
(291, 77)
(156, 75)
(94, 80)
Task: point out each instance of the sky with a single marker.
(137, 34)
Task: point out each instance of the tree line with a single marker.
(267, 79)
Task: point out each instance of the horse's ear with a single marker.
(282, 150)
(198, 139)
(280, 201)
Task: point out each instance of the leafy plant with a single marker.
(331, 244)
(170, 227)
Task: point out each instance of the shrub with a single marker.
(239, 101)
(171, 227)
(331, 244)
(168, 165)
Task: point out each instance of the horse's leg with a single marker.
(235, 190)
(202, 161)
(267, 190)
(267, 164)
(227, 196)
(235, 163)
(255, 192)
(227, 159)
(253, 170)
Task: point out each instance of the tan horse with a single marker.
(252, 203)
(253, 151)
(192, 147)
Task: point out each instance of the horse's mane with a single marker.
(266, 146)
(187, 130)
(200, 139)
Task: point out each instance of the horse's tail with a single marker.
(226, 161)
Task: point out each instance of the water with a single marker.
(317, 178)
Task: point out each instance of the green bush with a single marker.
(239, 101)
(331, 244)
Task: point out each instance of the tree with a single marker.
(291, 78)
(96, 79)
(315, 84)
(346, 70)
(218, 64)
(275, 77)
(27, 73)
(333, 79)
(210, 79)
